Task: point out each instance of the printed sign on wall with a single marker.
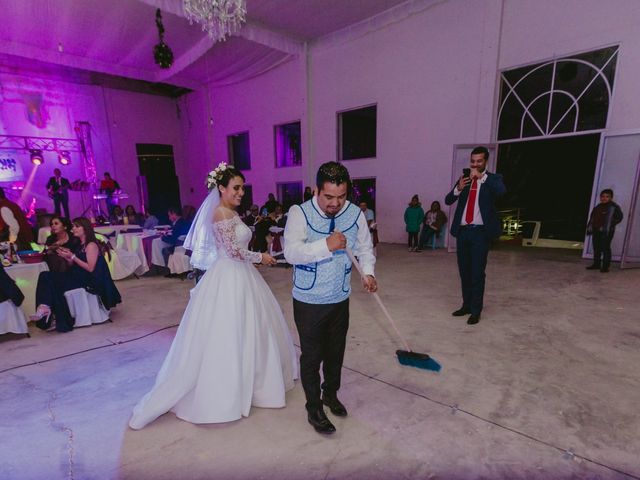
(10, 167)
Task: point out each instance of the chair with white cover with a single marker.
(276, 246)
(12, 319)
(179, 262)
(122, 264)
(85, 307)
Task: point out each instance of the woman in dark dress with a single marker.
(89, 270)
(133, 217)
(61, 236)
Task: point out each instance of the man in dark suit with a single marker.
(474, 225)
(179, 230)
(58, 188)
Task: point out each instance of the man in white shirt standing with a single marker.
(475, 223)
(316, 235)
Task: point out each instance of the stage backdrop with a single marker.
(34, 106)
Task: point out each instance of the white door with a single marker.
(617, 171)
(461, 156)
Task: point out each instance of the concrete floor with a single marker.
(546, 386)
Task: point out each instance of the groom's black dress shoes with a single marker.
(461, 312)
(335, 405)
(473, 319)
(318, 420)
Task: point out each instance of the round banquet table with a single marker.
(26, 277)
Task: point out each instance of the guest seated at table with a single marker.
(261, 231)
(274, 219)
(88, 270)
(432, 224)
(270, 204)
(61, 236)
(8, 289)
(117, 216)
(179, 229)
(150, 220)
(277, 217)
(133, 217)
(13, 220)
(189, 213)
(252, 216)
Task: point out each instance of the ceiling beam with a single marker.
(269, 38)
(73, 61)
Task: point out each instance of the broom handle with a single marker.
(377, 297)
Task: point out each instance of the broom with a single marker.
(407, 356)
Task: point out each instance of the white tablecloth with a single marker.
(156, 252)
(26, 277)
(132, 242)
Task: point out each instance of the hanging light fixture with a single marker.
(36, 157)
(219, 18)
(64, 157)
(162, 54)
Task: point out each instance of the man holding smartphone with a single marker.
(475, 224)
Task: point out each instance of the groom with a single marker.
(316, 235)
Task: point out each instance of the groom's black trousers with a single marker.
(323, 334)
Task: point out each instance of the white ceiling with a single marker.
(116, 37)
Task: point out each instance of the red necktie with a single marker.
(471, 202)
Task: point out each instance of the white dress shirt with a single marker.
(11, 221)
(298, 251)
(477, 216)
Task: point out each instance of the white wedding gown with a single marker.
(232, 349)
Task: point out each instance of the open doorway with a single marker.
(158, 176)
(549, 184)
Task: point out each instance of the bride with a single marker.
(232, 349)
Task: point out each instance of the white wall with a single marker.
(255, 106)
(119, 119)
(540, 30)
(434, 78)
(426, 74)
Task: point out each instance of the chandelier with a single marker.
(219, 18)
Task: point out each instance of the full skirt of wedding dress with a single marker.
(232, 350)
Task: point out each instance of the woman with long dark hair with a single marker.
(233, 349)
(88, 270)
(432, 224)
(61, 237)
(133, 217)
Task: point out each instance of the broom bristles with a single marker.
(418, 360)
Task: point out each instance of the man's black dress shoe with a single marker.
(593, 267)
(461, 312)
(473, 319)
(604, 269)
(335, 405)
(320, 422)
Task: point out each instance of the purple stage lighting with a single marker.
(36, 157)
(64, 158)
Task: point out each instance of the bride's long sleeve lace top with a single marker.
(233, 236)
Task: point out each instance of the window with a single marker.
(289, 193)
(288, 149)
(357, 133)
(565, 95)
(239, 154)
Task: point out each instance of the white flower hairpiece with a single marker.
(215, 175)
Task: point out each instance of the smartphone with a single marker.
(466, 172)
